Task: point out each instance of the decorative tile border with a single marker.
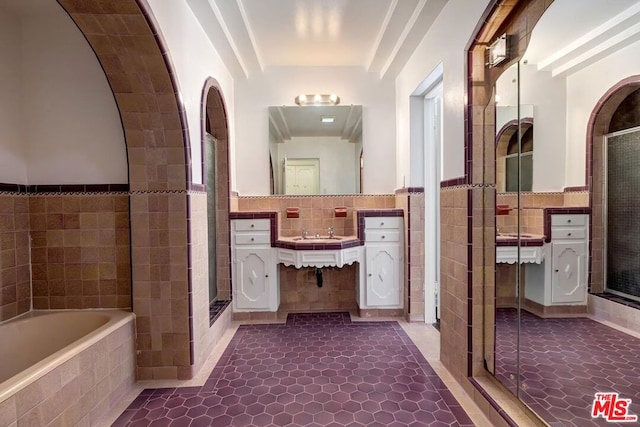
(576, 189)
(408, 190)
(64, 188)
(307, 196)
(453, 182)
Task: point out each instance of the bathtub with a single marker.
(65, 367)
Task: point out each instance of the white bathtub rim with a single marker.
(13, 385)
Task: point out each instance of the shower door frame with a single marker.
(605, 209)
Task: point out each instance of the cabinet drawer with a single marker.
(251, 224)
(568, 219)
(382, 236)
(253, 238)
(382, 222)
(568, 233)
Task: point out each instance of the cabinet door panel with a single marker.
(568, 283)
(252, 278)
(383, 275)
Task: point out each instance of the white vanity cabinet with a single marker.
(569, 258)
(254, 271)
(381, 277)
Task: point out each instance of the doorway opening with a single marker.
(622, 213)
(426, 148)
(215, 176)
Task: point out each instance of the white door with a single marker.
(302, 176)
(383, 275)
(252, 278)
(568, 278)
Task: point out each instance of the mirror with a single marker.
(548, 350)
(316, 149)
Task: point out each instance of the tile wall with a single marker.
(204, 336)
(160, 274)
(454, 279)
(532, 205)
(299, 290)
(77, 244)
(412, 202)
(316, 212)
(80, 250)
(15, 286)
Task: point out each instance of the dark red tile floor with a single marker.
(316, 370)
(564, 362)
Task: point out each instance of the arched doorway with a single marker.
(215, 171)
(601, 123)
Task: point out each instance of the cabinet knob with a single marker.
(252, 239)
(568, 234)
(252, 225)
(383, 237)
(370, 274)
(266, 275)
(382, 223)
(556, 270)
(568, 220)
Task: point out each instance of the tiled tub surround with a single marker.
(316, 370)
(77, 241)
(564, 362)
(78, 384)
(80, 250)
(15, 278)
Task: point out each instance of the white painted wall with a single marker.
(280, 85)
(337, 161)
(445, 42)
(584, 90)
(65, 120)
(13, 167)
(195, 59)
(547, 95)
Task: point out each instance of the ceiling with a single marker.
(379, 35)
(562, 44)
(291, 122)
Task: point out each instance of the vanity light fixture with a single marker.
(317, 99)
(498, 51)
(328, 119)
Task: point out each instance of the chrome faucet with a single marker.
(304, 233)
(330, 231)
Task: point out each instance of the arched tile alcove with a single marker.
(130, 49)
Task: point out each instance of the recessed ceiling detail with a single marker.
(378, 35)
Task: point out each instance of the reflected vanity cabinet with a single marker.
(383, 270)
(254, 270)
(569, 259)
